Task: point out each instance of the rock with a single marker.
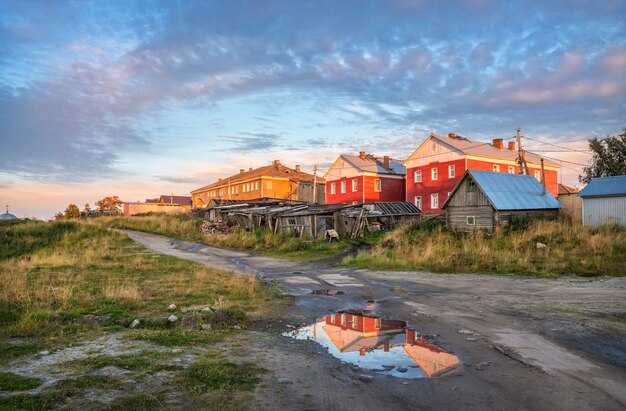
(172, 318)
(388, 367)
(365, 378)
(178, 360)
(283, 380)
(237, 327)
(207, 310)
(135, 323)
(541, 246)
(206, 327)
(471, 339)
(463, 331)
(481, 365)
(405, 383)
(177, 351)
(171, 307)
(93, 321)
(402, 369)
(191, 322)
(184, 310)
(44, 352)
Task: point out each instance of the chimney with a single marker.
(298, 168)
(512, 145)
(362, 154)
(386, 162)
(362, 351)
(241, 170)
(452, 135)
(498, 143)
(276, 162)
(250, 169)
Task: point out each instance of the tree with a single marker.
(59, 216)
(86, 210)
(609, 157)
(109, 203)
(72, 211)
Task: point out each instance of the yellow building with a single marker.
(273, 181)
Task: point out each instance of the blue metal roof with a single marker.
(514, 191)
(605, 186)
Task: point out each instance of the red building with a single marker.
(364, 179)
(436, 166)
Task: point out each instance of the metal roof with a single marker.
(511, 191)
(7, 216)
(375, 164)
(605, 186)
(394, 208)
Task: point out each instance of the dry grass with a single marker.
(571, 249)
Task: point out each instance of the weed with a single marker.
(14, 382)
(219, 374)
(180, 337)
(23, 402)
(138, 402)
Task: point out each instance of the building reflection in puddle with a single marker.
(379, 345)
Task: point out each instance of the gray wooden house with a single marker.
(485, 200)
(604, 201)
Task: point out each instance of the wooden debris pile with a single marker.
(213, 227)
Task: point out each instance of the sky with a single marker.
(142, 98)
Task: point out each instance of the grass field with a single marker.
(69, 283)
(571, 249)
(259, 240)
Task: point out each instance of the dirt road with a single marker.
(524, 343)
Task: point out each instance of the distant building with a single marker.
(364, 179)
(275, 181)
(485, 200)
(604, 201)
(7, 215)
(571, 203)
(437, 165)
(165, 204)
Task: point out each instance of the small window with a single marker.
(451, 171)
(378, 186)
(343, 319)
(434, 201)
(291, 221)
(333, 188)
(355, 185)
(418, 202)
(355, 322)
(377, 323)
(257, 185)
(511, 170)
(433, 173)
(538, 175)
(496, 168)
(471, 220)
(471, 186)
(417, 176)
(333, 318)
(268, 184)
(343, 186)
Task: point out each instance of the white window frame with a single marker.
(467, 220)
(434, 201)
(511, 170)
(434, 174)
(496, 168)
(344, 186)
(537, 174)
(333, 188)
(451, 171)
(378, 185)
(355, 185)
(418, 202)
(417, 176)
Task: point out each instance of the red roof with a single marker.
(180, 200)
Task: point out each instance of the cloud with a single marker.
(250, 141)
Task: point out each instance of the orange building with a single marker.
(273, 181)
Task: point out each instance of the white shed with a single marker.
(604, 201)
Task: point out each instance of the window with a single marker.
(256, 185)
(417, 176)
(291, 221)
(355, 185)
(333, 318)
(433, 173)
(377, 323)
(343, 319)
(511, 170)
(471, 186)
(355, 322)
(268, 184)
(537, 175)
(333, 188)
(378, 186)
(451, 171)
(496, 168)
(470, 220)
(434, 201)
(418, 202)
(343, 186)
(245, 188)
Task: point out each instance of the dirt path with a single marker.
(525, 343)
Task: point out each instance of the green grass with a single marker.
(14, 382)
(571, 250)
(137, 402)
(219, 374)
(180, 337)
(23, 402)
(9, 352)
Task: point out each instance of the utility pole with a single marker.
(315, 184)
(521, 160)
(543, 178)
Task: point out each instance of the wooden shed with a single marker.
(485, 200)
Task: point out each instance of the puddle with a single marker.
(379, 345)
(327, 292)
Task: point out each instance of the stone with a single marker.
(541, 246)
(237, 327)
(206, 327)
(471, 339)
(283, 380)
(171, 307)
(402, 369)
(207, 310)
(463, 331)
(172, 318)
(177, 351)
(44, 352)
(365, 378)
(135, 323)
(481, 366)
